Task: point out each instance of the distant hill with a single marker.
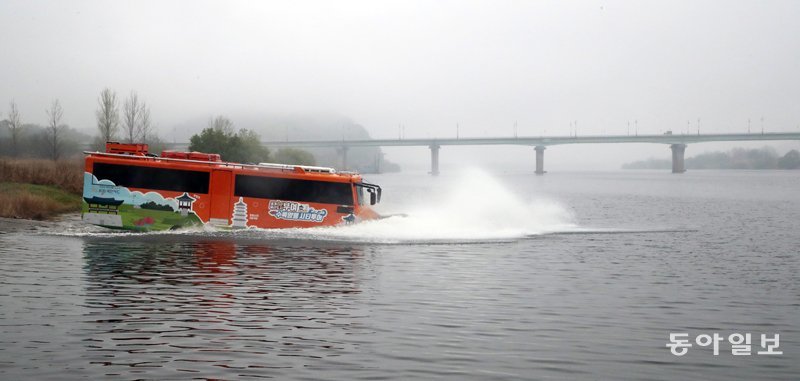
(320, 126)
(737, 158)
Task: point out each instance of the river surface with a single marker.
(574, 276)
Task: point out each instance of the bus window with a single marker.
(132, 176)
(276, 188)
(360, 194)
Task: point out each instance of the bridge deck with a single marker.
(542, 140)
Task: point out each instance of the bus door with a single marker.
(221, 190)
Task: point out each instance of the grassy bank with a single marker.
(39, 189)
(36, 202)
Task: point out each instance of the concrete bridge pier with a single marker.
(540, 160)
(342, 151)
(378, 161)
(434, 159)
(677, 158)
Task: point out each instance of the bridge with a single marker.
(676, 142)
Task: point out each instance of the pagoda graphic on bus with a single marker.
(239, 217)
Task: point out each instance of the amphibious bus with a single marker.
(126, 187)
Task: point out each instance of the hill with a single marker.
(320, 126)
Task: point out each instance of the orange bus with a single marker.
(126, 187)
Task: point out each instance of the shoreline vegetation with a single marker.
(32, 187)
(129, 120)
(737, 158)
(40, 189)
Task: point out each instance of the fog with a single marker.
(427, 66)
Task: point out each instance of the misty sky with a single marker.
(426, 65)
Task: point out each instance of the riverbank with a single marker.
(39, 189)
(36, 202)
(15, 225)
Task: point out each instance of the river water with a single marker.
(490, 277)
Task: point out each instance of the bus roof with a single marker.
(319, 173)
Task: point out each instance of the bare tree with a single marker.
(108, 115)
(221, 123)
(130, 117)
(15, 125)
(54, 127)
(145, 127)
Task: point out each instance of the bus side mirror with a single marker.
(373, 199)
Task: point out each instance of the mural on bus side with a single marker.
(107, 204)
(295, 211)
(110, 205)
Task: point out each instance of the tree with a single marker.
(293, 156)
(790, 161)
(220, 137)
(247, 148)
(145, 127)
(16, 127)
(107, 115)
(54, 127)
(131, 113)
(211, 140)
(221, 123)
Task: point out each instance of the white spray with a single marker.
(475, 207)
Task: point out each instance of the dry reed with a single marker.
(66, 175)
(31, 206)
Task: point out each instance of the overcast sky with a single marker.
(424, 64)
